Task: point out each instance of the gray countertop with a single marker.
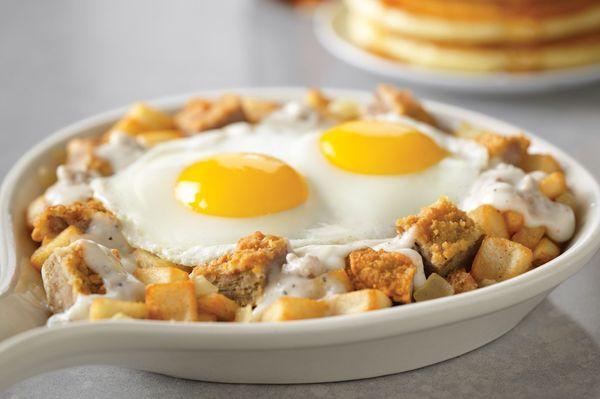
(64, 60)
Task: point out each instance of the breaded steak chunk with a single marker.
(402, 102)
(56, 218)
(81, 156)
(390, 272)
(508, 149)
(66, 275)
(444, 235)
(241, 275)
(200, 114)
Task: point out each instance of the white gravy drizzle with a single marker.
(509, 188)
(71, 186)
(303, 274)
(119, 284)
(120, 150)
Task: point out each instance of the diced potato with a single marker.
(553, 185)
(514, 221)
(145, 259)
(150, 117)
(486, 282)
(219, 305)
(545, 251)
(529, 236)
(106, 308)
(357, 302)
(542, 162)
(292, 308)
(206, 317)
(203, 286)
(316, 99)
(172, 301)
(500, 259)
(159, 275)
(127, 125)
(243, 314)
(63, 239)
(121, 316)
(343, 110)
(568, 199)
(152, 138)
(490, 220)
(336, 281)
(435, 287)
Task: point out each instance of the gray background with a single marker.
(64, 60)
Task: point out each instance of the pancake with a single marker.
(472, 21)
(560, 53)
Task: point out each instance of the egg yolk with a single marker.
(240, 185)
(380, 148)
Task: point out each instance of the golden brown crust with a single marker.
(56, 218)
(508, 149)
(461, 281)
(401, 102)
(201, 114)
(444, 235)
(390, 272)
(242, 274)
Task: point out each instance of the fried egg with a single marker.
(190, 200)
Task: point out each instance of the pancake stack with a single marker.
(479, 35)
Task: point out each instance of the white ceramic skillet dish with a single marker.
(329, 349)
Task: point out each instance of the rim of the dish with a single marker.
(334, 40)
(371, 325)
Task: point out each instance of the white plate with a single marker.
(331, 31)
(329, 349)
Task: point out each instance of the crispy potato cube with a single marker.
(219, 305)
(35, 210)
(490, 220)
(542, 162)
(292, 308)
(553, 185)
(243, 314)
(435, 287)
(343, 110)
(514, 221)
(107, 308)
(445, 236)
(130, 126)
(160, 275)
(390, 272)
(336, 281)
(206, 317)
(545, 251)
(529, 236)
(146, 260)
(316, 99)
(568, 199)
(256, 109)
(357, 302)
(154, 137)
(487, 282)
(172, 301)
(500, 259)
(66, 237)
(151, 118)
(461, 281)
(204, 287)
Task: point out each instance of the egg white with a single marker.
(342, 206)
